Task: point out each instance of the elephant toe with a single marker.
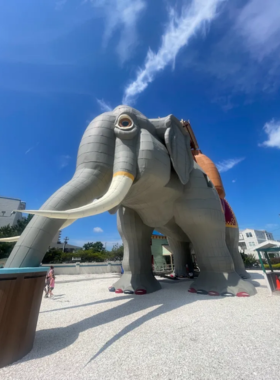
(136, 284)
(222, 284)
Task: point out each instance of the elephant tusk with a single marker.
(9, 239)
(67, 223)
(120, 186)
(16, 238)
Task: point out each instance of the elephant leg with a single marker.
(232, 237)
(180, 247)
(137, 264)
(182, 257)
(37, 236)
(203, 221)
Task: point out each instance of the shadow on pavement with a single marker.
(50, 341)
(86, 279)
(256, 276)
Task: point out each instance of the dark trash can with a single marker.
(21, 292)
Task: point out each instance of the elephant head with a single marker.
(125, 147)
(121, 152)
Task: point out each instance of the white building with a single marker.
(7, 205)
(250, 239)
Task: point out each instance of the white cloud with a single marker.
(246, 57)
(272, 129)
(64, 161)
(225, 165)
(122, 15)
(271, 225)
(259, 27)
(105, 107)
(177, 35)
(97, 230)
(31, 148)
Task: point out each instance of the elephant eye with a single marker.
(125, 122)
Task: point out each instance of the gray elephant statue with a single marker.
(143, 169)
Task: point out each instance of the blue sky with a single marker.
(213, 62)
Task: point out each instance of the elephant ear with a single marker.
(178, 145)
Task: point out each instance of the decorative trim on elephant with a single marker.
(230, 218)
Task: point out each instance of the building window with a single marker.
(251, 244)
(248, 234)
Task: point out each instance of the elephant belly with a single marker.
(156, 216)
(153, 203)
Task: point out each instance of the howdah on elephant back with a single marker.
(144, 170)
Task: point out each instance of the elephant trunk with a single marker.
(124, 173)
(37, 236)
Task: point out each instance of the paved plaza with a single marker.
(86, 332)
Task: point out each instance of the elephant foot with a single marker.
(243, 274)
(136, 284)
(222, 284)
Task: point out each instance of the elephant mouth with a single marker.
(119, 188)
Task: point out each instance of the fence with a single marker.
(163, 268)
(87, 268)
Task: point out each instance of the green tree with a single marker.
(89, 256)
(248, 259)
(53, 256)
(116, 253)
(9, 231)
(94, 247)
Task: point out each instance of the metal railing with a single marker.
(163, 268)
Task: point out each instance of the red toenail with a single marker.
(140, 291)
(192, 290)
(213, 293)
(118, 291)
(242, 294)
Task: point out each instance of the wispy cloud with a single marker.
(59, 5)
(271, 225)
(105, 107)
(64, 161)
(246, 57)
(225, 102)
(259, 27)
(225, 165)
(97, 230)
(272, 129)
(177, 35)
(121, 15)
(31, 148)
